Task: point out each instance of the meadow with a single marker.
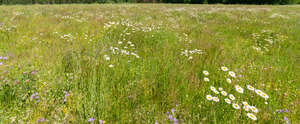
(149, 63)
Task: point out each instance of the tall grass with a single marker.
(144, 63)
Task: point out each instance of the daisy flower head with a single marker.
(264, 95)
(227, 100)
(239, 89)
(249, 87)
(216, 92)
(254, 109)
(220, 88)
(205, 72)
(216, 99)
(235, 106)
(252, 116)
(246, 108)
(257, 91)
(231, 97)
(228, 80)
(224, 93)
(206, 79)
(245, 103)
(213, 88)
(111, 65)
(223, 68)
(232, 74)
(209, 97)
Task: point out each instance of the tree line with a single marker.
(150, 1)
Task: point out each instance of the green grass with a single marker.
(54, 49)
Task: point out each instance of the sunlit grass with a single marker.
(147, 63)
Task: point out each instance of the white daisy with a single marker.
(266, 103)
(216, 99)
(216, 92)
(259, 92)
(239, 89)
(232, 74)
(224, 68)
(111, 65)
(224, 93)
(245, 103)
(264, 95)
(250, 87)
(252, 116)
(228, 80)
(221, 89)
(213, 88)
(227, 100)
(246, 108)
(231, 97)
(254, 109)
(235, 106)
(205, 72)
(209, 97)
(206, 79)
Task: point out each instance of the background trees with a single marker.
(150, 1)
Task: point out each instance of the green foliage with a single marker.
(149, 1)
(135, 63)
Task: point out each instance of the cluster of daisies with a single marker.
(250, 109)
(232, 100)
(124, 49)
(238, 88)
(189, 53)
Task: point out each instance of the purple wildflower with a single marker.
(170, 117)
(33, 72)
(281, 110)
(1, 57)
(1, 63)
(4, 58)
(91, 120)
(286, 120)
(35, 96)
(175, 121)
(173, 111)
(66, 95)
(40, 120)
(156, 123)
(286, 110)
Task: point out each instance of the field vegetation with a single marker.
(149, 63)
